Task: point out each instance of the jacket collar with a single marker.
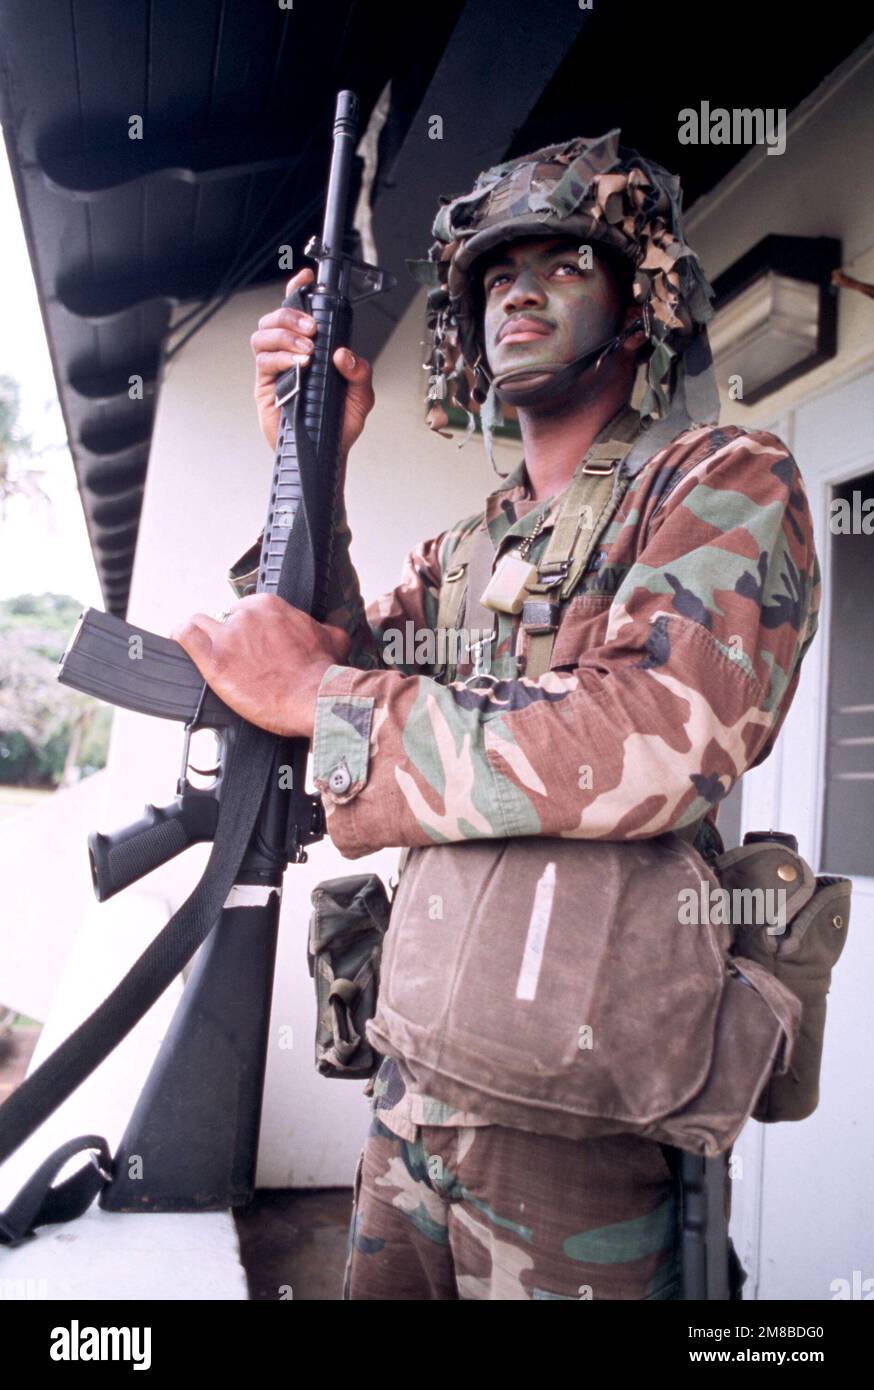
(624, 426)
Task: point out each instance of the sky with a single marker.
(43, 547)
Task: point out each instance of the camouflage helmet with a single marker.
(602, 193)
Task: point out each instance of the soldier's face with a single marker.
(541, 306)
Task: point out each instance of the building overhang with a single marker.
(135, 240)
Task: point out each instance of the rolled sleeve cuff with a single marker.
(243, 575)
(341, 739)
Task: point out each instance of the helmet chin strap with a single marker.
(537, 385)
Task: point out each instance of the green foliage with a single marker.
(46, 730)
(17, 479)
(11, 438)
(57, 611)
(39, 718)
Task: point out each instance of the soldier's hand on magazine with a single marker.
(266, 660)
(286, 336)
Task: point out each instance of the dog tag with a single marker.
(507, 589)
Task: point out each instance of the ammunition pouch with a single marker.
(801, 957)
(347, 926)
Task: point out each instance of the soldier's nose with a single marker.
(526, 290)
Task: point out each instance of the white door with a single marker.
(802, 1207)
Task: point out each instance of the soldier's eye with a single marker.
(570, 265)
(496, 281)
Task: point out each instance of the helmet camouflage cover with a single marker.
(600, 192)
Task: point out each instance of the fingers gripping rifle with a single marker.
(191, 1144)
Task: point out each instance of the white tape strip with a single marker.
(249, 895)
(532, 958)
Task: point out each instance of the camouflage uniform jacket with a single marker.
(674, 665)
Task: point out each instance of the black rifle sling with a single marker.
(78, 1055)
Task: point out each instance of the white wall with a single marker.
(46, 892)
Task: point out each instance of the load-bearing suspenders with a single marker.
(591, 499)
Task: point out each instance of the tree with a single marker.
(47, 731)
(16, 479)
(49, 734)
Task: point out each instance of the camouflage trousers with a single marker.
(468, 1212)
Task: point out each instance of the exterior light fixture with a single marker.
(775, 314)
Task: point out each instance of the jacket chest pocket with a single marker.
(582, 627)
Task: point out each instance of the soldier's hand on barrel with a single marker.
(287, 336)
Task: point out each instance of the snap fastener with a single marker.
(340, 780)
(787, 872)
(837, 921)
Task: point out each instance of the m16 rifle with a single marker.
(194, 1130)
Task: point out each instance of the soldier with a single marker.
(663, 669)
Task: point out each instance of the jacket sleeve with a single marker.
(649, 731)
